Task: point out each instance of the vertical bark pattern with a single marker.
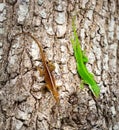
(24, 102)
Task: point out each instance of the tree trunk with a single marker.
(25, 104)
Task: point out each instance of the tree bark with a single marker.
(25, 104)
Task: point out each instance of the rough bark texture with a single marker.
(24, 103)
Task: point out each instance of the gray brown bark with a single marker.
(24, 103)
